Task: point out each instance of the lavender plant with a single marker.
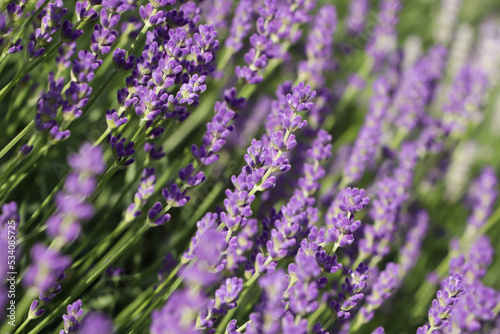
(258, 167)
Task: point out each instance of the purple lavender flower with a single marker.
(274, 24)
(46, 268)
(45, 25)
(443, 307)
(482, 196)
(382, 289)
(351, 292)
(225, 299)
(358, 12)
(383, 40)
(413, 242)
(180, 313)
(49, 103)
(72, 207)
(240, 25)
(474, 309)
(319, 47)
(272, 306)
(144, 192)
(416, 89)
(72, 319)
(465, 100)
(14, 13)
(122, 150)
(265, 158)
(369, 137)
(344, 225)
(35, 310)
(215, 137)
(96, 323)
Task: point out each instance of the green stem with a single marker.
(40, 209)
(17, 138)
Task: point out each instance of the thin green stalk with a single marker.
(40, 209)
(17, 138)
(160, 301)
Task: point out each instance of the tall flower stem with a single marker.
(17, 138)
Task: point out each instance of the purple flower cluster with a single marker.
(358, 12)
(417, 87)
(370, 135)
(266, 157)
(86, 165)
(387, 281)
(482, 197)
(218, 129)
(351, 291)
(9, 22)
(475, 308)
(240, 26)
(48, 266)
(442, 307)
(295, 219)
(319, 47)
(274, 23)
(392, 192)
(72, 319)
(465, 100)
(384, 38)
(413, 242)
(144, 192)
(45, 25)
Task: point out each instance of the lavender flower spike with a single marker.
(442, 307)
(72, 319)
(358, 11)
(382, 289)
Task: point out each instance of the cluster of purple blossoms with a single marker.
(479, 300)
(86, 165)
(465, 100)
(442, 307)
(9, 23)
(319, 47)
(144, 192)
(358, 12)
(351, 294)
(370, 135)
(384, 38)
(392, 193)
(413, 243)
(295, 219)
(275, 22)
(45, 26)
(72, 319)
(189, 309)
(266, 157)
(47, 269)
(241, 25)
(417, 87)
(218, 129)
(387, 281)
(76, 96)
(482, 197)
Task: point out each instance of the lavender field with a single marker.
(251, 166)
